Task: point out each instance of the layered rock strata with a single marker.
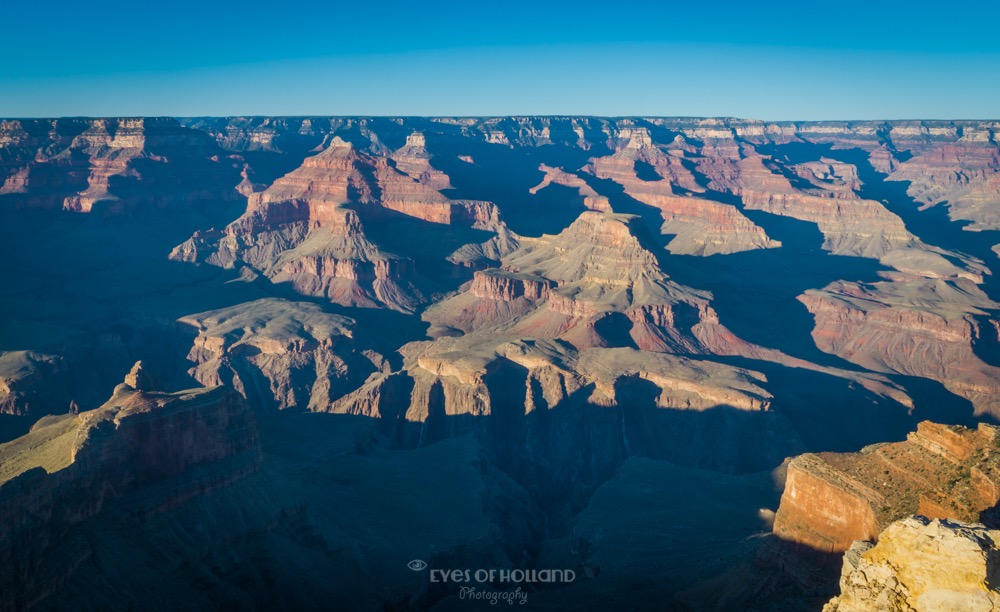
(915, 326)
(68, 468)
(940, 471)
(280, 354)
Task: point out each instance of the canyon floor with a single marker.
(270, 362)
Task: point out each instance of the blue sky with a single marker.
(788, 60)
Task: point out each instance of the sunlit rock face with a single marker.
(832, 499)
(922, 564)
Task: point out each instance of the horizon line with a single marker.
(494, 116)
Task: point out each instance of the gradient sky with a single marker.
(777, 60)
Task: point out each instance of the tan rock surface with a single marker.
(281, 354)
(922, 565)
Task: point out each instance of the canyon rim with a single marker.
(533, 305)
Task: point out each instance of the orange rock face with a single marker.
(822, 509)
(940, 471)
(497, 285)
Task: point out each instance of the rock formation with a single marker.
(413, 159)
(915, 326)
(30, 384)
(307, 227)
(479, 341)
(121, 165)
(595, 284)
(940, 471)
(965, 174)
(702, 226)
(68, 468)
(922, 565)
(850, 225)
(299, 231)
(556, 176)
(280, 353)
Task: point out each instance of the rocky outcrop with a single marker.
(705, 227)
(940, 471)
(140, 379)
(130, 166)
(838, 178)
(280, 354)
(602, 270)
(250, 134)
(604, 289)
(67, 469)
(639, 153)
(922, 565)
(307, 228)
(44, 183)
(883, 160)
(850, 226)
(823, 193)
(413, 159)
(483, 216)
(499, 285)
(120, 165)
(514, 393)
(32, 384)
(298, 231)
(24, 143)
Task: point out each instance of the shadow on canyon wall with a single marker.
(932, 225)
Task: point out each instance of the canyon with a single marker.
(694, 360)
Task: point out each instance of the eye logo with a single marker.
(417, 565)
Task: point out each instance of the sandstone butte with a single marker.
(940, 471)
(303, 230)
(922, 565)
